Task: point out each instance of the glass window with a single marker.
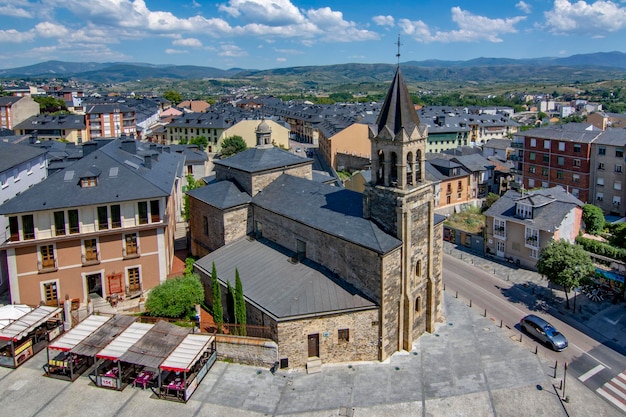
(546, 144)
(544, 172)
(532, 156)
(531, 183)
(155, 212)
(600, 196)
(577, 162)
(619, 152)
(618, 168)
(577, 148)
(47, 256)
(73, 219)
(576, 178)
(601, 165)
(601, 150)
(617, 200)
(14, 229)
(546, 158)
(59, 223)
(91, 249)
(600, 181)
(130, 244)
(343, 335)
(617, 185)
(533, 142)
(142, 208)
(50, 293)
(103, 218)
(116, 216)
(561, 146)
(559, 175)
(134, 282)
(28, 226)
(560, 160)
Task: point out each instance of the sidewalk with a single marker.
(602, 318)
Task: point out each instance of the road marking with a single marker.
(618, 402)
(590, 373)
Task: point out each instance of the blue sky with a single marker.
(283, 33)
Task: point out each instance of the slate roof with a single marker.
(9, 100)
(262, 159)
(474, 162)
(398, 112)
(612, 137)
(333, 210)
(43, 122)
(283, 289)
(11, 155)
(221, 194)
(499, 143)
(581, 134)
(123, 177)
(550, 206)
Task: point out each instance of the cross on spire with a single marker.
(398, 54)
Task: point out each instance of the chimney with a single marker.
(89, 147)
(33, 137)
(147, 161)
(129, 146)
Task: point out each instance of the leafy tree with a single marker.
(565, 264)
(240, 305)
(49, 104)
(233, 145)
(189, 266)
(593, 218)
(490, 199)
(619, 236)
(176, 297)
(192, 184)
(216, 291)
(200, 141)
(173, 96)
(541, 115)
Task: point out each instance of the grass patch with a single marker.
(470, 220)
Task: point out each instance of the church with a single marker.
(334, 274)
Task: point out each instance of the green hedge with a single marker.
(601, 248)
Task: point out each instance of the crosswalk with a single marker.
(614, 391)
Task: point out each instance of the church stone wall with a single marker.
(391, 283)
(359, 266)
(224, 226)
(252, 183)
(362, 344)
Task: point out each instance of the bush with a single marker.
(601, 248)
(176, 297)
(593, 218)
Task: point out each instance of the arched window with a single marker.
(409, 168)
(418, 167)
(418, 304)
(393, 171)
(418, 268)
(380, 174)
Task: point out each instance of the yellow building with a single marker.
(247, 130)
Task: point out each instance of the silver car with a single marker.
(544, 332)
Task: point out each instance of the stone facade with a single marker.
(252, 184)
(362, 333)
(223, 226)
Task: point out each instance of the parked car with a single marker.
(298, 149)
(544, 332)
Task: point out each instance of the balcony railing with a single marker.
(47, 265)
(532, 241)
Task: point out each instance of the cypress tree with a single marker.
(240, 305)
(218, 314)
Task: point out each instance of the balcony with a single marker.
(47, 265)
(499, 232)
(532, 242)
(92, 258)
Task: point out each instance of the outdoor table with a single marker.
(143, 379)
(176, 385)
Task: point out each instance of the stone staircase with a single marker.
(313, 365)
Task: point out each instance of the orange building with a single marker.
(102, 226)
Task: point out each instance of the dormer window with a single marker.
(88, 182)
(524, 211)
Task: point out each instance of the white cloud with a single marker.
(523, 6)
(281, 59)
(193, 42)
(175, 51)
(585, 18)
(13, 36)
(50, 30)
(472, 28)
(265, 12)
(384, 20)
(335, 28)
(289, 51)
(231, 50)
(14, 11)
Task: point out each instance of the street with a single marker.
(588, 358)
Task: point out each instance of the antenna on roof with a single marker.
(398, 54)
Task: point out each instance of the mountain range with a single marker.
(582, 67)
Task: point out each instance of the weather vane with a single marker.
(398, 54)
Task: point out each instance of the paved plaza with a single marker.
(469, 367)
